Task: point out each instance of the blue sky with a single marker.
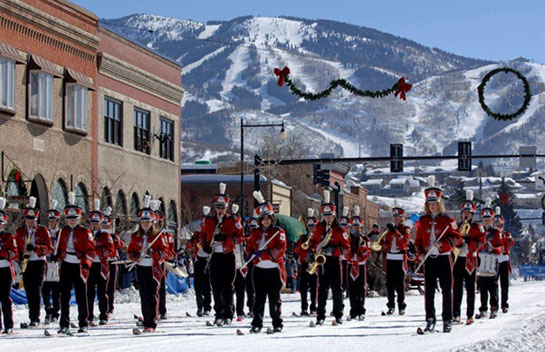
(486, 29)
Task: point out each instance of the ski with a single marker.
(270, 331)
(295, 315)
(187, 314)
(240, 333)
(136, 331)
(209, 323)
(383, 314)
(312, 324)
(421, 331)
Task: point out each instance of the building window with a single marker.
(7, 83)
(60, 194)
(167, 139)
(76, 107)
(135, 205)
(81, 197)
(41, 96)
(141, 131)
(113, 130)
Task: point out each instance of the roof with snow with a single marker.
(217, 178)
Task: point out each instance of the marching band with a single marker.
(230, 257)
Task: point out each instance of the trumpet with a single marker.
(464, 230)
(306, 244)
(375, 246)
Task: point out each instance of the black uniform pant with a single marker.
(96, 287)
(149, 295)
(51, 294)
(33, 278)
(330, 276)
(440, 268)
(222, 277)
(240, 286)
(504, 282)
(356, 290)
(203, 291)
(70, 278)
(395, 283)
(460, 276)
(163, 294)
(267, 283)
(344, 275)
(250, 292)
(7, 303)
(112, 284)
(488, 285)
(307, 282)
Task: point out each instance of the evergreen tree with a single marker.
(456, 196)
(506, 202)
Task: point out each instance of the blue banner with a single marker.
(531, 270)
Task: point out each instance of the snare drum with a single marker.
(53, 272)
(488, 265)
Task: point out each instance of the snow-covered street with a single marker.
(522, 329)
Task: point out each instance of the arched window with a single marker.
(120, 205)
(106, 198)
(135, 205)
(162, 206)
(60, 194)
(81, 198)
(172, 219)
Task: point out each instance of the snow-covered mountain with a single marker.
(227, 76)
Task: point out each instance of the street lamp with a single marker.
(282, 137)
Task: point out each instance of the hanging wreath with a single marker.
(527, 94)
(16, 178)
(400, 88)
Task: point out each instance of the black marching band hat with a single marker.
(327, 208)
(487, 212)
(357, 220)
(146, 213)
(53, 213)
(469, 204)
(72, 211)
(263, 208)
(432, 193)
(221, 200)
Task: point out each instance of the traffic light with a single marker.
(316, 175)
(325, 178)
(257, 160)
(464, 156)
(396, 157)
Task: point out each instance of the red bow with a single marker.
(282, 74)
(402, 88)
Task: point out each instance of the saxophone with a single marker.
(26, 255)
(320, 258)
(464, 230)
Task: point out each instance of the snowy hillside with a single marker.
(522, 329)
(227, 75)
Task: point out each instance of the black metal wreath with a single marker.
(496, 115)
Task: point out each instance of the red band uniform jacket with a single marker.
(274, 252)
(42, 242)
(8, 251)
(84, 247)
(396, 242)
(230, 226)
(428, 223)
(159, 248)
(474, 239)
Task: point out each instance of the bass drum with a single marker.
(488, 265)
(53, 272)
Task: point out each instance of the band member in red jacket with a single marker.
(221, 233)
(171, 256)
(488, 277)
(304, 253)
(34, 245)
(100, 268)
(75, 251)
(8, 253)
(148, 249)
(504, 269)
(357, 273)
(118, 245)
(344, 221)
(267, 246)
(51, 289)
(328, 242)
(465, 266)
(394, 250)
(203, 290)
(436, 234)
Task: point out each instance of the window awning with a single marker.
(11, 53)
(79, 78)
(39, 63)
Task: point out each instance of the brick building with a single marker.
(57, 70)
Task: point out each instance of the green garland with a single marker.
(399, 88)
(496, 115)
(336, 83)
